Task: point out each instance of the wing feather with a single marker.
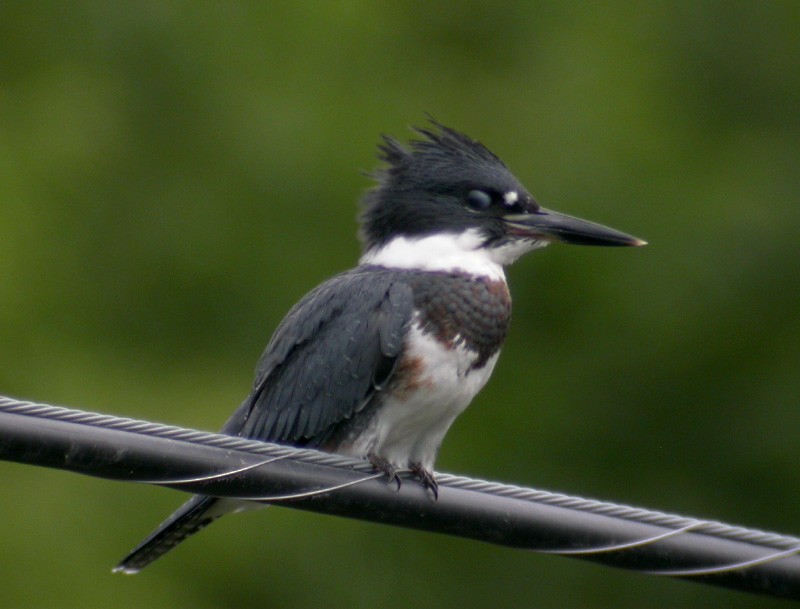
(333, 350)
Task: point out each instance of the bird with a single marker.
(378, 361)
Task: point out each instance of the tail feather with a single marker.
(191, 517)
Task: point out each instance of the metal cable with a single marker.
(219, 465)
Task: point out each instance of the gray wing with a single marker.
(334, 349)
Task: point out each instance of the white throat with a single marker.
(448, 252)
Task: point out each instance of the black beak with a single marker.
(552, 226)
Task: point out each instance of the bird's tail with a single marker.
(187, 520)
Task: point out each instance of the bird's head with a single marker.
(446, 185)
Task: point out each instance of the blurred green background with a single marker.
(174, 176)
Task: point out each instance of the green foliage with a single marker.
(173, 176)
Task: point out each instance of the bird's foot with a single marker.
(382, 464)
(426, 477)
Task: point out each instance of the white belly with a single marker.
(413, 420)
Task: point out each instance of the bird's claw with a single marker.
(382, 464)
(426, 477)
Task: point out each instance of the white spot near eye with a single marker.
(510, 197)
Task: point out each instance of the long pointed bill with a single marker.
(553, 226)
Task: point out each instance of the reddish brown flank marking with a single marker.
(408, 377)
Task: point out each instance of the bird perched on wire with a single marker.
(378, 361)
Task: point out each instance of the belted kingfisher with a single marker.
(378, 361)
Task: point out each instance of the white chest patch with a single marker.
(464, 252)
(441, 252)
(434, 385)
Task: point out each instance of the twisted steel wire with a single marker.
(613, 534)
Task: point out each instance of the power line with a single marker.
(213, 464)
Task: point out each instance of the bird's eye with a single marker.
(479, 199)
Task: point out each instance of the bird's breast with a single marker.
(460, 310)
(433, 383)
(449, 352)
